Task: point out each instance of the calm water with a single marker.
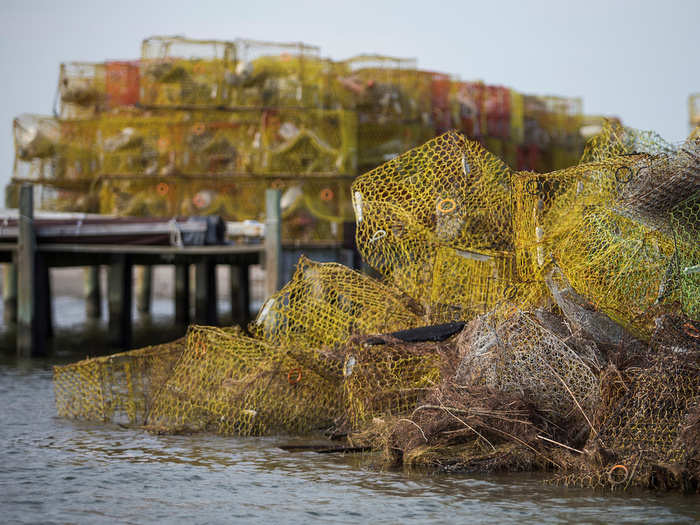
(57, 471)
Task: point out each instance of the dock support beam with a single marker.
(120, 301)
(205, 293)
(93, 293)
(240, 294)
(273, 242)
(144, 289)
(9, 293)
(32, 322)
(182, 294)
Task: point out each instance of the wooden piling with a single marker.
(240, 294)
(144, 289)
(93, 293)
(9, 293)
(182, 294)
(120, 301)
(31, 322)
(44, 303)
(205, 293)
(273, 241)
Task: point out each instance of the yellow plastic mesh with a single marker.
(519, 355)
(614, 248)
(379, 87)
(436, 222)
(53, 151)
(615, 140)
(621, 267)
(82, 90)
(387, 380)
(119, 388)
(450, 187)
(227, 142)
(325, 303)
(176, 71)
(270, 74)
(232, 384)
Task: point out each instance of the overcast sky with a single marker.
(634, 59)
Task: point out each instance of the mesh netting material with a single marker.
(229, 383)
(637, 444)
(685, 221)
(436, 222)
(387, 380)
(450, 187)
(519, 355)
(324, 304)
(616, 140)
(607, 224)
(119, 388)
(454, 234)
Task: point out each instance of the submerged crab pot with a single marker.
(271, 74)
(81, 90)
(119, 388)
(176, 71)
(232, 384)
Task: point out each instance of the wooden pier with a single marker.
(27, 292)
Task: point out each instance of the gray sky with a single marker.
(635, 59)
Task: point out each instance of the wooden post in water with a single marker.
(93, 293)
(9, 293)
(144, 288)
(31, 318)
(240, 294)
(182, 294)
(205, 293)
(43, 297)
(120, 301)
(273, 242)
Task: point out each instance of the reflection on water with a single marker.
(64, 471)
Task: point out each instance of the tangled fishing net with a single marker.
(520, 321)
